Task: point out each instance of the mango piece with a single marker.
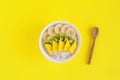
(73, 47)
(61, 45)
(48, 48)
(54, 46)
(67, 46)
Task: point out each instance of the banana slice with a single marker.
(58, 28)
(64, 28)
(76, 37)
(45, 35)
(70, 31)
(51, 30)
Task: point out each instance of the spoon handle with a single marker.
(91, 52)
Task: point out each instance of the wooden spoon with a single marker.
(95, 31)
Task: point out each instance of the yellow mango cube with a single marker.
(54, 46)
(48, 48)
(67, 46)
(61, 45)
(73, 47)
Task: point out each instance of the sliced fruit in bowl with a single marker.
(60, 41)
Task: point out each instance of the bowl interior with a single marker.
(44, 52)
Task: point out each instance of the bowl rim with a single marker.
(46, 54)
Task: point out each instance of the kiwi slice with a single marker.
(47, 41)
(71, 38)
(62, 36)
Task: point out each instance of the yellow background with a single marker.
(21, 22)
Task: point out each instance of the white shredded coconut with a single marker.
(61, 55)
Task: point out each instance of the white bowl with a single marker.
(44, 51)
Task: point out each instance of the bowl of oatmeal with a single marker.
(60, 41)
